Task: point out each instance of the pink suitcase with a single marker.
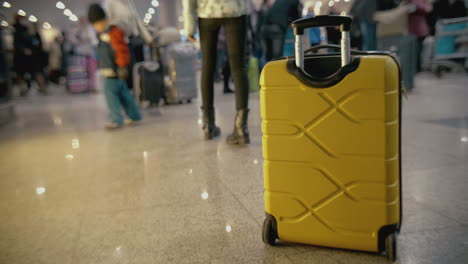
(77, 75)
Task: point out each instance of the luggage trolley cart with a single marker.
(451, 45)
(331, 146)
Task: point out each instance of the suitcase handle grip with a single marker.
(323, 21)
(344, 22)
(333, 46)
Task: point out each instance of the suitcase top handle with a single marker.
(344, 22)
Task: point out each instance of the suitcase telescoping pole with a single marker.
(344, 22)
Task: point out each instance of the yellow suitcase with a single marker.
(331, 146)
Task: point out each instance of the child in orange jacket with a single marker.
(113, 60)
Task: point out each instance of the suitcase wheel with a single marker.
(391, 246)
(269, 233)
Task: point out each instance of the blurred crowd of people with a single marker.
(234, 37)
(416, 17)
(268, 34)
(29, 59)
(35, 61)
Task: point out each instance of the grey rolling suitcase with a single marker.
(180, 75)
(148, 82)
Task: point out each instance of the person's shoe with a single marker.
(24, 92)
(130, 122)
(113, 126)
(240, 135)
(227, 90)
(43, 91)
(209, 126)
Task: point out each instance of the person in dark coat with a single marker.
(28, 56)
(450, 8)
(363, 12)
(39, 59)
(333, 33)
(22, 53)
(274, 23)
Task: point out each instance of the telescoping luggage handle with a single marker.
(344, 22)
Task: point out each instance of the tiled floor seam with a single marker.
(459, 159)
(238, 200)
(427, 207)
(158, 204)
(122, 210)
(290, 260)
(403, 232)
(448, 164)
(78, 238)
(330, 256)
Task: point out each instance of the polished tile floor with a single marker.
(71, 192)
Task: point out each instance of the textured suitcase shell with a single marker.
(332, 155)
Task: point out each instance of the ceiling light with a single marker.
(4, 23)
(32, 18)
(148, 16)
(6, 4)
(73, 18)
(146, 20)
(67, 12)
(155, 3)
(181, 19)
(21, 12)
(151, 10)
(60, 5)
(331, 3)
(317, 7)
(57, 120)
(46, 25)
